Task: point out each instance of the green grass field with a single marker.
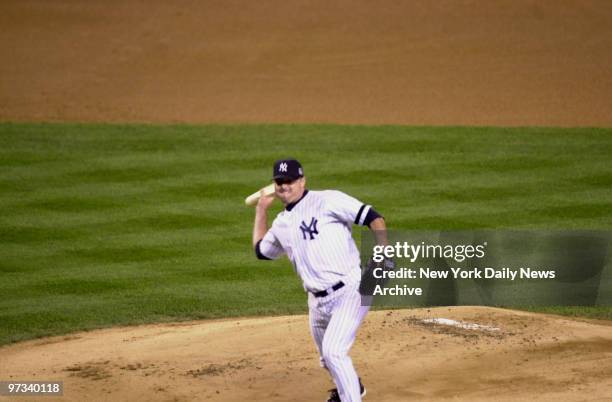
(122, 224)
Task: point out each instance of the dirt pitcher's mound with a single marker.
(460, 353)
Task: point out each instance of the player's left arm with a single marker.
(377, 225)
(379, 228)
(353, 211)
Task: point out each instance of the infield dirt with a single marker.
(399, 356)
(448, 62)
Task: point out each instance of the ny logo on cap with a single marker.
(310, 229)
(282, 167)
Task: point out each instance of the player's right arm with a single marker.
(265, 244)
(379, 228)
(260, 227)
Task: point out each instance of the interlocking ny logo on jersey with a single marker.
(310, 229)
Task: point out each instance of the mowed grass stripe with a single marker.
(120, 224)
(566, 217)
(155, 209)
(81, 198)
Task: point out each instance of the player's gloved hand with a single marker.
(374, 274)
(388, 265)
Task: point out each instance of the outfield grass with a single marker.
(121, 224)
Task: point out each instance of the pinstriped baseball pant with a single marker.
(334, 321)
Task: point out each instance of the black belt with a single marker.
(323, 293)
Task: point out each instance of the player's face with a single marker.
(289, 191)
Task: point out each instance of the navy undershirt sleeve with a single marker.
(259, 253)
(372, 214)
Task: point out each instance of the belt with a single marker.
(323, 293)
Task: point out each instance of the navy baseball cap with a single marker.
(287, 169)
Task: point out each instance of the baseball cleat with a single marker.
(335, 397)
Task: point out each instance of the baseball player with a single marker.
(314, 231)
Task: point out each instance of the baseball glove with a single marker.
(369, 280)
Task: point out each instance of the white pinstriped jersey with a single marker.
(316, 236)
